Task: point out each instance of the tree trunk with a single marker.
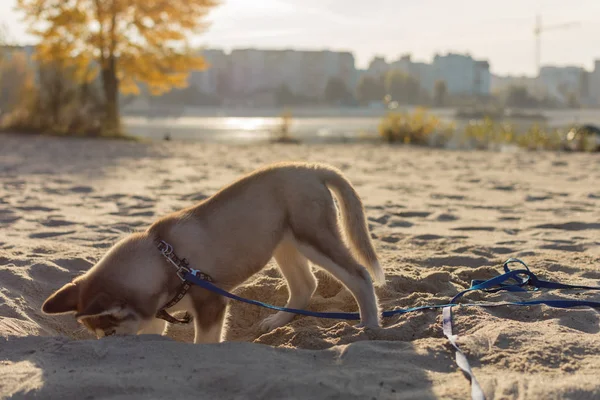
(110, 84)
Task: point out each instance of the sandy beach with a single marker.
(438, 218)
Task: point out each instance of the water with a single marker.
(306, 124)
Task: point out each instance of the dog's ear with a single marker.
(101, 304)
(64, 300)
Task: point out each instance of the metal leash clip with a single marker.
(165, 248)
(181, 265)
(182, 269)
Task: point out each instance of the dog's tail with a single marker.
(354, 221)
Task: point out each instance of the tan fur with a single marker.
(284, 211)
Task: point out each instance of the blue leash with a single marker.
(518, 280)
(522, 278)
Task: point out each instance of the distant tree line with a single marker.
(393, 86)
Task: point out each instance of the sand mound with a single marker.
(439, 219)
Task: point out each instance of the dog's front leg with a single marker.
(209, 316)
(154, 326)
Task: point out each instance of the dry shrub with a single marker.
(50, 99)
(419, 128)
(282, 134)
(487, 133)
(538, 138)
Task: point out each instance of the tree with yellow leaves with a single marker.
(131, 42)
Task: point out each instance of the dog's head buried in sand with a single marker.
(285, 211)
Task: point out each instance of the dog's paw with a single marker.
(362, 325)
(275, 321)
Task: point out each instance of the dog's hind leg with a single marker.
(330, 253)
(319, 238)
(300, 281)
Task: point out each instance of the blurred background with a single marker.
(454, 74)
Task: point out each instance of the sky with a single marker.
(499, 31)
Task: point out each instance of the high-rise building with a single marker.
(210, 80)
(595, 83)
(561, 82)
(463, 74)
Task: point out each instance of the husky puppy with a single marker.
(284, 210)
